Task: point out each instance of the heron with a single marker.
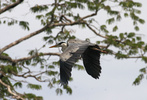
(75, 49)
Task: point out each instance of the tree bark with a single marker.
(10, 6)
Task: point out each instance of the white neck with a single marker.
(64, 46)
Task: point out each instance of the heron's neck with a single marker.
(64, 47)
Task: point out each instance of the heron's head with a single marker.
(61, 44)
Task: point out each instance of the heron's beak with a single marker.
(53, 46)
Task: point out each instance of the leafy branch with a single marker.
(7, 58)
(8, 7)
(15, 95)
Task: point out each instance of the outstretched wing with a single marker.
(71, 54)
(91, 60)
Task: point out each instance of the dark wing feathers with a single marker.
(73, 52)
(91, 60)
(66, 65)
(65, 72)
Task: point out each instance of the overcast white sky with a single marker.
(116, 78)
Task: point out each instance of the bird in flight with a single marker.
(75, 49)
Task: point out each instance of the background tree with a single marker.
(61, 16)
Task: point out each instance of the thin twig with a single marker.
(33, 76)
(95, 31)
(22, 39)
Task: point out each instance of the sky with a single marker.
(117, 76)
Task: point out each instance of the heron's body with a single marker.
(74, 50)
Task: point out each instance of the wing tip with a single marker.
(63, 83)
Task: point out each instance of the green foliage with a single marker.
(74, 5)
(111, 20)
(136, 28)
(18, 84)
(51, 67)
(92, 6)
(34, 86)
(130, 4)
(126, 14)
(144, 59)
(141, 21)
(52, 73)
(31, 96)
(4, 54)
(13, 0)
(118, 18)
(9, 69)
(104, 28)
(68, 89)
(79, 67)
(115, 28)
(11, 22)
(3, 90)
(24, 25)
(138, 79)
(111, 40)
(61, 36)
(59, 91)
(143, 73)
(39, 16)
(131, 35)
(38, 8)
(120, 55)
(128, 43)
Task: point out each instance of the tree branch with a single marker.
(26, 58)
(33, 76)
(22, 39)
(93, 14)
(63, 16)
(106, 37)
(95, 31)
(10, 6)
(10, 91)
(26, 37)
(39, 54)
